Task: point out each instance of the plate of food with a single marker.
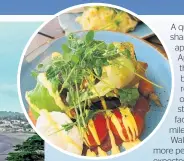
(95, 93)
(103, 18)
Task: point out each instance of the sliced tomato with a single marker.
(139, 119)
(101, 129)
(140, 122)
(106, 144)
(92, 142)
(113, 127)
(118, 140)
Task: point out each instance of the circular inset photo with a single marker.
(94, 81)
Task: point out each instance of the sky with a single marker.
(13, 38)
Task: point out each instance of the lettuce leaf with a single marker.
(41, 98)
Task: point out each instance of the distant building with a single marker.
(2, 129)
(15, 124)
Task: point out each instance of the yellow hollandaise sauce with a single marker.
(93, 131)
(101, 153)
(115, 148)
(129, 125)
(90, 153)
(117, 124)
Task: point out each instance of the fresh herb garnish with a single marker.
(40, 66)
(89, 36)
(34, 74)
(81, 60)
(66, 49)
(80, 56)
(69, 126)
(128, 96)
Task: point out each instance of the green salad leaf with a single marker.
(128, 96)
(89, 36)
(65, 48)
(75, 58)
(41, 98)
(34, 74)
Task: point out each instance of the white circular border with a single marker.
(69, 153)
